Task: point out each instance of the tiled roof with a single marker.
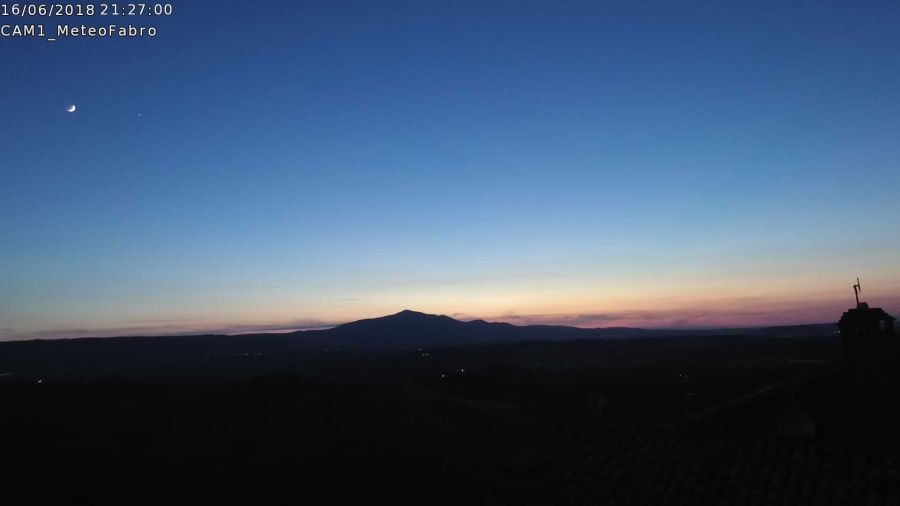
(669, 469)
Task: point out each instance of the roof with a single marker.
(734, 456)
(702, 469)
(863, 311)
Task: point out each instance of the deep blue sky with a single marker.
(288, 163)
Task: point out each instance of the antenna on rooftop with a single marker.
(856, 289)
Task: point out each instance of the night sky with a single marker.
(295, 164)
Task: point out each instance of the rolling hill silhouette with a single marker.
(406, 330)
(414, 329)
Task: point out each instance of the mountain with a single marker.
(404, 330)
(412, 329)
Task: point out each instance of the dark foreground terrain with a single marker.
(641, 420)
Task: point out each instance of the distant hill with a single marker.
(403, 330)
(410, 329)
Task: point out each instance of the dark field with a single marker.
(483, 424)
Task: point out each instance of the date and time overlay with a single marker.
(54, 22)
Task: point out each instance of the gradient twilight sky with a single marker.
(287, 164)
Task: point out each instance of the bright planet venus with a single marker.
(71, 108)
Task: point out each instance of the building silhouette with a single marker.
(867, 333)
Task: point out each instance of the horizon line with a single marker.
(249, 330)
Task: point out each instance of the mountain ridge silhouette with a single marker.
(406, 330)
(408, 322)
(409, 328)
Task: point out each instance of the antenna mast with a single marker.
(856, 289)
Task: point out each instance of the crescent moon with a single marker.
(71, 108)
